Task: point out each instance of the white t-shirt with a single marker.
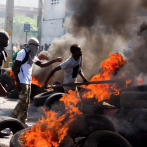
(71, 69)
(25, 74)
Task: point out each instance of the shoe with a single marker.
(27, 126)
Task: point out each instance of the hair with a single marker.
(73, 48)
(142, 27)
(3, 36)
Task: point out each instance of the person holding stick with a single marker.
(72, 67)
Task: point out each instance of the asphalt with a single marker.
(6, 107)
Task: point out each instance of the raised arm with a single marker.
(51, 74)
(59, 59)
(83, 76)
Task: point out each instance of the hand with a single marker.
(18, 87)
(45, 86)
(59, 59)
(85, 80)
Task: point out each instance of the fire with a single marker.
(103, 91)
(50, 132)
(139, 81)
(11, 75)
(36, 82)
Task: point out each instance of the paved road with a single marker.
(6, 107)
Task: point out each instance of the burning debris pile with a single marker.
(51, 129)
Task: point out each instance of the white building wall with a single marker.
(50, 30)
(52, 26)
(54, 9)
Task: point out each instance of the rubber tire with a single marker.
(40, 99)
(15, 140)
(133, 99)
(86, 124)
(3, 145)
(5, 80)
(58, 89)
(97, 137)
(35, 90)
(53, 98)
(13, 94)
(12, 123)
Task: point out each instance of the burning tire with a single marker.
(8, 122)
(40, 99)
(16, 140)
(58, 89)
(35, 90)
(7, 83)
(105, 139)
(87, 124)
(13, 94)
(3, 145)
(54, 98)
(133, 99)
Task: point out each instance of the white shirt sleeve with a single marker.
(65, 64)
(21, 55)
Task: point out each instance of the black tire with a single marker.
(40, 99)
(53, 98)
(58, 89)
(12, 123)
(13, 94)
(15, 140)
(86, 124)
(6, 82)
(35, 90)
(3, 145)
(105, 138)
(133, 99)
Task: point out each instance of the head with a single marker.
(143, 30)
(76, 50)
(33, 44)
(4, 39)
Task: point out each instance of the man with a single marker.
(24, 77)
(4, 39)
(72, 67)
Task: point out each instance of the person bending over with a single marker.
(72, 67)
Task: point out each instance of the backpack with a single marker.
(24, 60)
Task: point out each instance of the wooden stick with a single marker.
(86, 83)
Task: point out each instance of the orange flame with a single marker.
(49, 132)
(139, 81)
(36, 82)
(103, 91)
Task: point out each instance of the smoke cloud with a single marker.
(99, 27)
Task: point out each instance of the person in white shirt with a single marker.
(23, 76)
(72, 67)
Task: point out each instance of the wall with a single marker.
(54, 9)
(51, 29)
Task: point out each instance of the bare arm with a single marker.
(51, 74)
(83, 76)
(59, 59)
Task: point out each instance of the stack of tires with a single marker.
(86, 131)
(131, 118)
